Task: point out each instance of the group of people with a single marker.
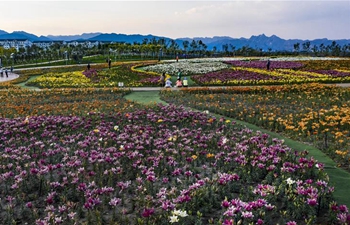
(168, 83)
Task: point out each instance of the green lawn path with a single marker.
(339, 178)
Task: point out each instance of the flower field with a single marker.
(88, 156)
(187, 68)
(281, 72)
(252, 71)
(201, 72)
(162, 165)
(313, 113)
(98, 76)
(76, 102)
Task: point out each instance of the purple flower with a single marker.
(343, 208)
(29, 205)
(228, 222)
(259, 222)
(312, 201)
(114, 201)
(291, 223)
(247, 215)
(147, 212)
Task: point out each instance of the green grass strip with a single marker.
(145, 97)
(339, 178)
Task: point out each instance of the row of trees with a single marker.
(333, 49)
(157, 48)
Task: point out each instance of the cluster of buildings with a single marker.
(25, 43)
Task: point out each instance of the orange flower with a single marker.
(210, 155)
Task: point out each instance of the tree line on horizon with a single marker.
(159, 49)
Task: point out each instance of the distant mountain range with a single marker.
(273, 43)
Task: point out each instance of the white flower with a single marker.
(183, 213)
(290, 181)
(116, 127)
(174, 219)
(180, 213)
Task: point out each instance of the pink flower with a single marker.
(291, 223)
(247, 215)
(343, 208)
(225, 204)
(228, 222)
(259, 222)
(312, 201)
(114, 201)
(147, 212)
(29, 205)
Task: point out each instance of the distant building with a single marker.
(24, 43)
(15, 43)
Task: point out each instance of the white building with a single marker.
(15, 43)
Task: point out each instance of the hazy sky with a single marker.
(308, 19)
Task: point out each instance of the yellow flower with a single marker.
(210, 155)
(26, 121)
(159, 121)
(173, 138)
(227, 121)
(96, 130)
(194, 157)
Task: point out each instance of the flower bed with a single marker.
(97, 76)
(187, 67)
(254, 76)
(252, 71)
(311, 113)
(22, 103)
(261, 64)
(158, 165)
(236, 77)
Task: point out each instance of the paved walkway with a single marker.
(11, 76)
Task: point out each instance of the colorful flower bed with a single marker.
(261, 64)
(77, 102)
(206, 72)
(97, 76)
(158, 165)
(252, 71)
(311, 113)
(253, 76)
(187, 67)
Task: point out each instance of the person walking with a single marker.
(179, 75)
(268, 64)
(88, 66)
(109, 63)
(6, 73)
